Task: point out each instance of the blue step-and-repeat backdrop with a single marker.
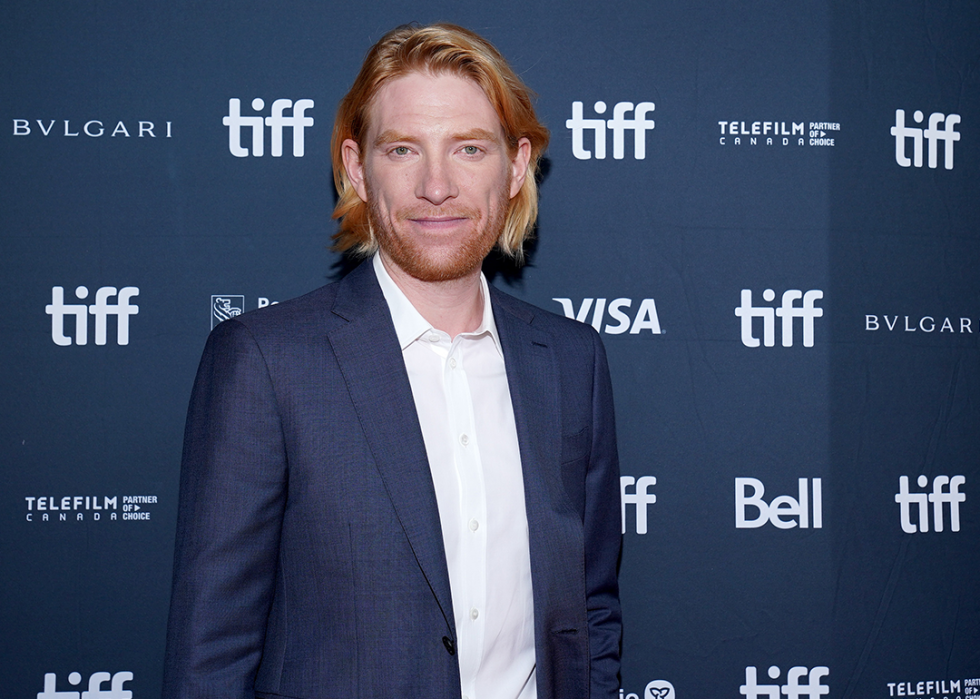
(770, 210)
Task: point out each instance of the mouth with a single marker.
(437, 223)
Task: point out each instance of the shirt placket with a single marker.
(473, 511)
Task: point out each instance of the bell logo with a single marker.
(619, 125)
(788, 311)
(783, 510)
(95, 690)
(645, 317)
(101, 309)
(277, 122)
(945, 491)
(813, 689)
(948, 135)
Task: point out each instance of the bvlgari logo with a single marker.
(935, 328)
(93, 128)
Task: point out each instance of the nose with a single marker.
(436, 182)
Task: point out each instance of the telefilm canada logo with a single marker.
(801, 683)
(657, 689)
(97, 688)
(935, 689)
(254, 126)
(932, 135)
(626, 116)
(625, 315)
(640, 498)
(787, 312)
(225, 306)
(89, 508)
(118, 129)
(819, 134)
(101, 310)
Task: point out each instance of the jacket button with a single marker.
(448, 642)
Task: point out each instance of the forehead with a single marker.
(431, 103)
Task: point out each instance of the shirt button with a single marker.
(474, 525)
(464, 440)
(474, 613)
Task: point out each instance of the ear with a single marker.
(354, 166)
(518, 165)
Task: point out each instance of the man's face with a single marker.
(436, 174)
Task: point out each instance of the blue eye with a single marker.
(400, 150)
(471, 150)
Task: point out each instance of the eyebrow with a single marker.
(390, 136)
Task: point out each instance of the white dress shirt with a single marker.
(475, 462)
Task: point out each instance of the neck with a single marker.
(454, 306)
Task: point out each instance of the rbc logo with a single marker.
(658, 689)
(645, 319)
(938, 497)
(226, 306)
(813, 689)
(639, 498)
(619, 125)
(277, 122)
(948, 136)
(780, 507)
(101, 309)
(95, 682)
(787, 311)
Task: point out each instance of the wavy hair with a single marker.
(437, 48)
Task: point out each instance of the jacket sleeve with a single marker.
(232, 498)
(603, 538)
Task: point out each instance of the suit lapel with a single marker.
(534, 390)
(367, 350)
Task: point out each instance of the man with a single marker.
(405, 484)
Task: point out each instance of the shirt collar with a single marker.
(409, 323)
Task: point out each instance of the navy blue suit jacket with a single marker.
(309, 557)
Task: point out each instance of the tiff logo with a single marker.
(297, 121)
(788, 311)
(95, 690)
(619, 125)
(948, 135)
(781, 507)
(645, 318)
(938, 497)
(639, 498)
(101, 309)
(813, 689)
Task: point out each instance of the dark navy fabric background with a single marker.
(666, 245)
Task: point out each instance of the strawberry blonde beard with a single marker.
(439, 264)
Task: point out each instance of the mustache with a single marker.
(417, 212)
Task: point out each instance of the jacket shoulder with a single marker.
(296, 319)
(562, 328)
